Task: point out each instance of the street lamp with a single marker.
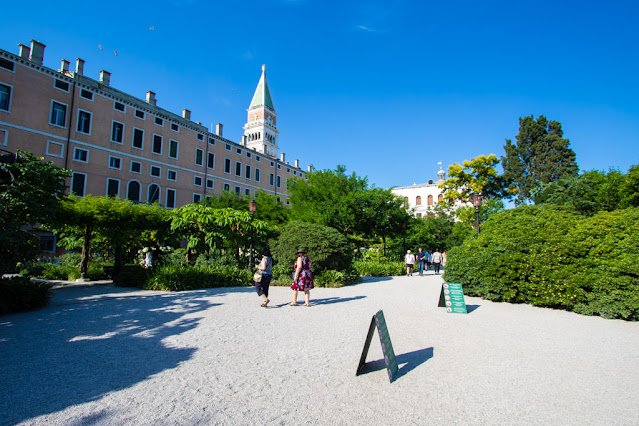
(477, 203)
(252, 208)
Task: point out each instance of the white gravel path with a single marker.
(106, 355)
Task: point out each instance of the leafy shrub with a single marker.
(551, 256)
(19, 294)
(326, 247)
(380, 269)
(179, 278)
(335, 279)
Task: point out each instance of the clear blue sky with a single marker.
(387, 88)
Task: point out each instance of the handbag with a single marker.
(257, 276)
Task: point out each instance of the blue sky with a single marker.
(386, 87)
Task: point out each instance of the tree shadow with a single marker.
(89, 345)
(407, 362)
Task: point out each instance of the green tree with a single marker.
(477, 175)
(206, 228)
(384, 214)
(330, 198)
(540, 156)
(593, 191)
(30, 194)
(115, 222)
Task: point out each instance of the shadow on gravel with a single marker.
(331, 300)
(406, 362)
(78, 351)
(471, 308)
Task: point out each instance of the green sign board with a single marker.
(378, 321)
(452, 298)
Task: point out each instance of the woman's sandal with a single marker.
(307, 304)
(292, 304)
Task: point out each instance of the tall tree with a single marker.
(541, 155)
(330, 198)
(384, 214)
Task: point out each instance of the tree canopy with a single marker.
(541, 155)
(330, 198)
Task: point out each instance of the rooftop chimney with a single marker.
(24, 51)
(218, 129)
(105, 78)
(79, 66)
(64, 66)
(282, 157)
(297, 164)
(309, 168)
(186, 114)
(150, 98)
(37, 52)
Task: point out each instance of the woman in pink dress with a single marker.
(302, 278)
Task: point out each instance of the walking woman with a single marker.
(265, 268)
(302, 278)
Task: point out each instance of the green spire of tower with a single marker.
(262, 96)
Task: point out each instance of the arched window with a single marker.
(430, 200)
(440, 198)
(154, 193)
(133, 191)
(418, 200)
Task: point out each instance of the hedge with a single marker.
(20, 294)
(551, 256)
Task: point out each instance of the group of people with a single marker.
(302, 277)
(429, 259)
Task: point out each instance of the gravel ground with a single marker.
(107, 355)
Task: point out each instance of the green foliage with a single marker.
(207, 227)
(119, 225)
(65, 269)
(540, 156)
(33, 197)
(335, 279)
(380, 269)
(553, 256)
(475, 176)
(329, 198)
(593, 191)
(20, 294)
(325, 247)
(179, 278)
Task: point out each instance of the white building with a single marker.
(423, 197)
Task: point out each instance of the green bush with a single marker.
(551, 256)
(335, 279)
(326, 247)
(380, 269)
(19, 294)
(179, 278)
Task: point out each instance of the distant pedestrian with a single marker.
(429, 259)
(420, 257)
(444, 256)
(302, 278)
(409, 259)
(437, 260)
(265, 269)
(148, 258)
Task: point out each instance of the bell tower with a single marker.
(260, 130)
